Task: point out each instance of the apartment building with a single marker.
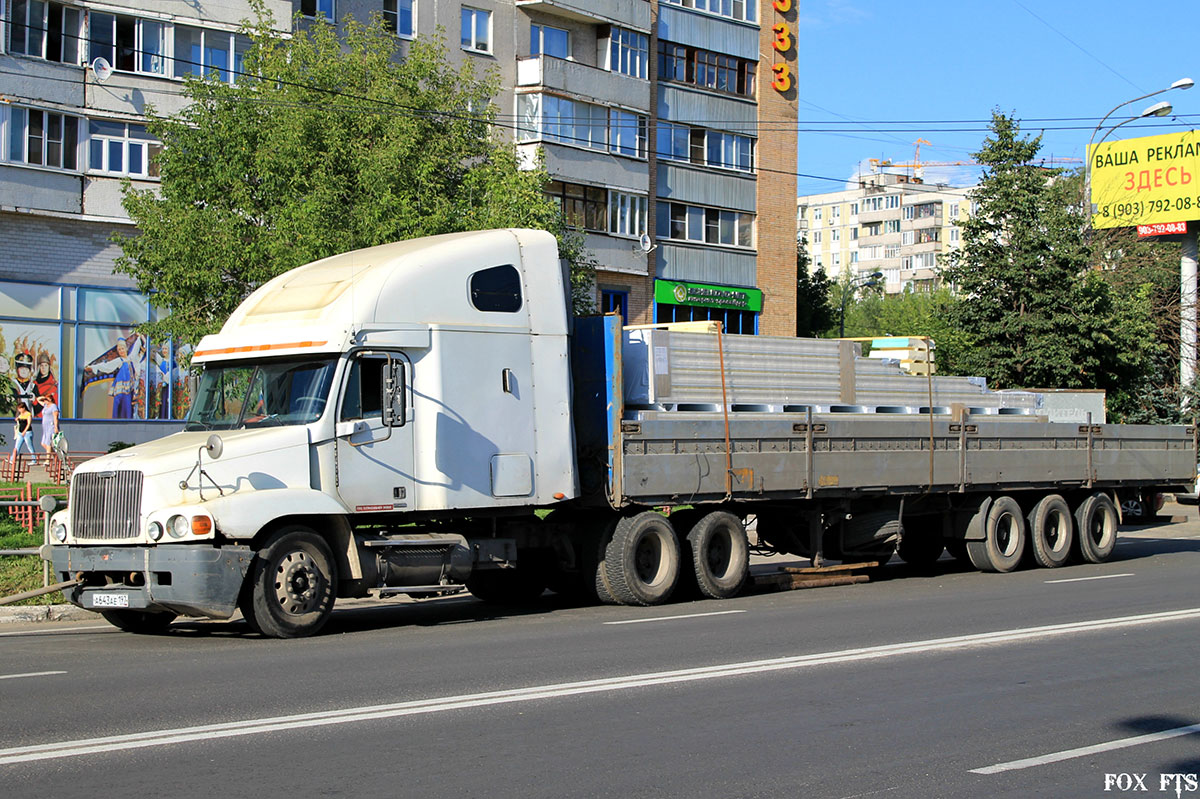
(890, 223)
(651, 116)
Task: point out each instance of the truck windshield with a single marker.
(282, 392)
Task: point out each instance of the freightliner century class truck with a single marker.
(398, 420)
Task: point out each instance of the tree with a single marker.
(322, 146)
(814, 311)
(1032, 313)
(913, 312)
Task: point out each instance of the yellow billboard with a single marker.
(1145, 181)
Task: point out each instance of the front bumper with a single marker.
(191, 580)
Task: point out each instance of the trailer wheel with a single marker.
(641, 562)
(1096, 521)
(142, 622)
(720, 555)
(292, 584)
(1051, 531)
(958, 549)
(1004, 541)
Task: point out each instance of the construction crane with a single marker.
(918, 166)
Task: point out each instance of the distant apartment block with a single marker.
(893, 224)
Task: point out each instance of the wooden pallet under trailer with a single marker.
(791, 578)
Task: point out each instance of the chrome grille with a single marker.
(106, 505)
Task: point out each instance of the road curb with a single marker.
(28, 613)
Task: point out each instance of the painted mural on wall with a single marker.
(111, 383)
(29, 361)
(170, 383)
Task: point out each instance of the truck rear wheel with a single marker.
(1051, 531)
(291, 591)
(1004, 541)
(1096, 521)
(143, 622)
(641, 562)
(720, 555)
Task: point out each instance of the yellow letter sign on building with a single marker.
(1145, 181)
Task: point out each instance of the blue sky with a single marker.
(941, 66)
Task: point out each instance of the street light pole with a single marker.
(862, 281)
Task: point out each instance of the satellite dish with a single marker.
(101, 69)
(644, 242)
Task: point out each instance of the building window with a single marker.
(731, 9)
(737, 322)
(476, 30)
(43, 138)
(128, 43)
(908, 211)
(46, 30)
(708, 225)
(853, 234)
(853, 209)
(317, 8)
(208, 53)
(835, 234)
(544, 40)
(730, 151)
(954, 210)
(117, 148)
(954, 235)
(582, 206)
(398, 17)
(817, 214)
(628, 52)
(891, 201)
(891, 226)
(706, 69)
(854, 256)
(627, 133)
(554, 118)
(615, 301)
(673, 141)
(627, 214)
(907, 237)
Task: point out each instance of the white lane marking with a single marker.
(1084, 579)
(140, 740)
(62, 630)
(673, 618)
(1084, 751)
(30, 674)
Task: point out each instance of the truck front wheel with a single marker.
(292, 581)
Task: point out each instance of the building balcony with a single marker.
(923, 247)
(704, 263)
(882, 214)
(706, 186)
(617, 254)
(594, 167)
(632, 14)
(583, 81)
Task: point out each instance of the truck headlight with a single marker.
(154, 530)
(178, 526)
(59, 531)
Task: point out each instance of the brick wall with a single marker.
(776, 199)
(53, 250)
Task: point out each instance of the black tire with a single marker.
(1051, 531)
(142, 622)
(1005, 538)
(720, 555)
(1096, 523)
(515, 586)
(292, 585)
(922, 550)
(641, 562)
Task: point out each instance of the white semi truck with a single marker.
(398, 420)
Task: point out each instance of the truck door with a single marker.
(374, 443)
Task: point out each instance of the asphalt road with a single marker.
(949, 683)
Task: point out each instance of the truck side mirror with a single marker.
(393, 394)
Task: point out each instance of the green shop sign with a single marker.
(671, 293)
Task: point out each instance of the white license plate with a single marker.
(110, 600)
